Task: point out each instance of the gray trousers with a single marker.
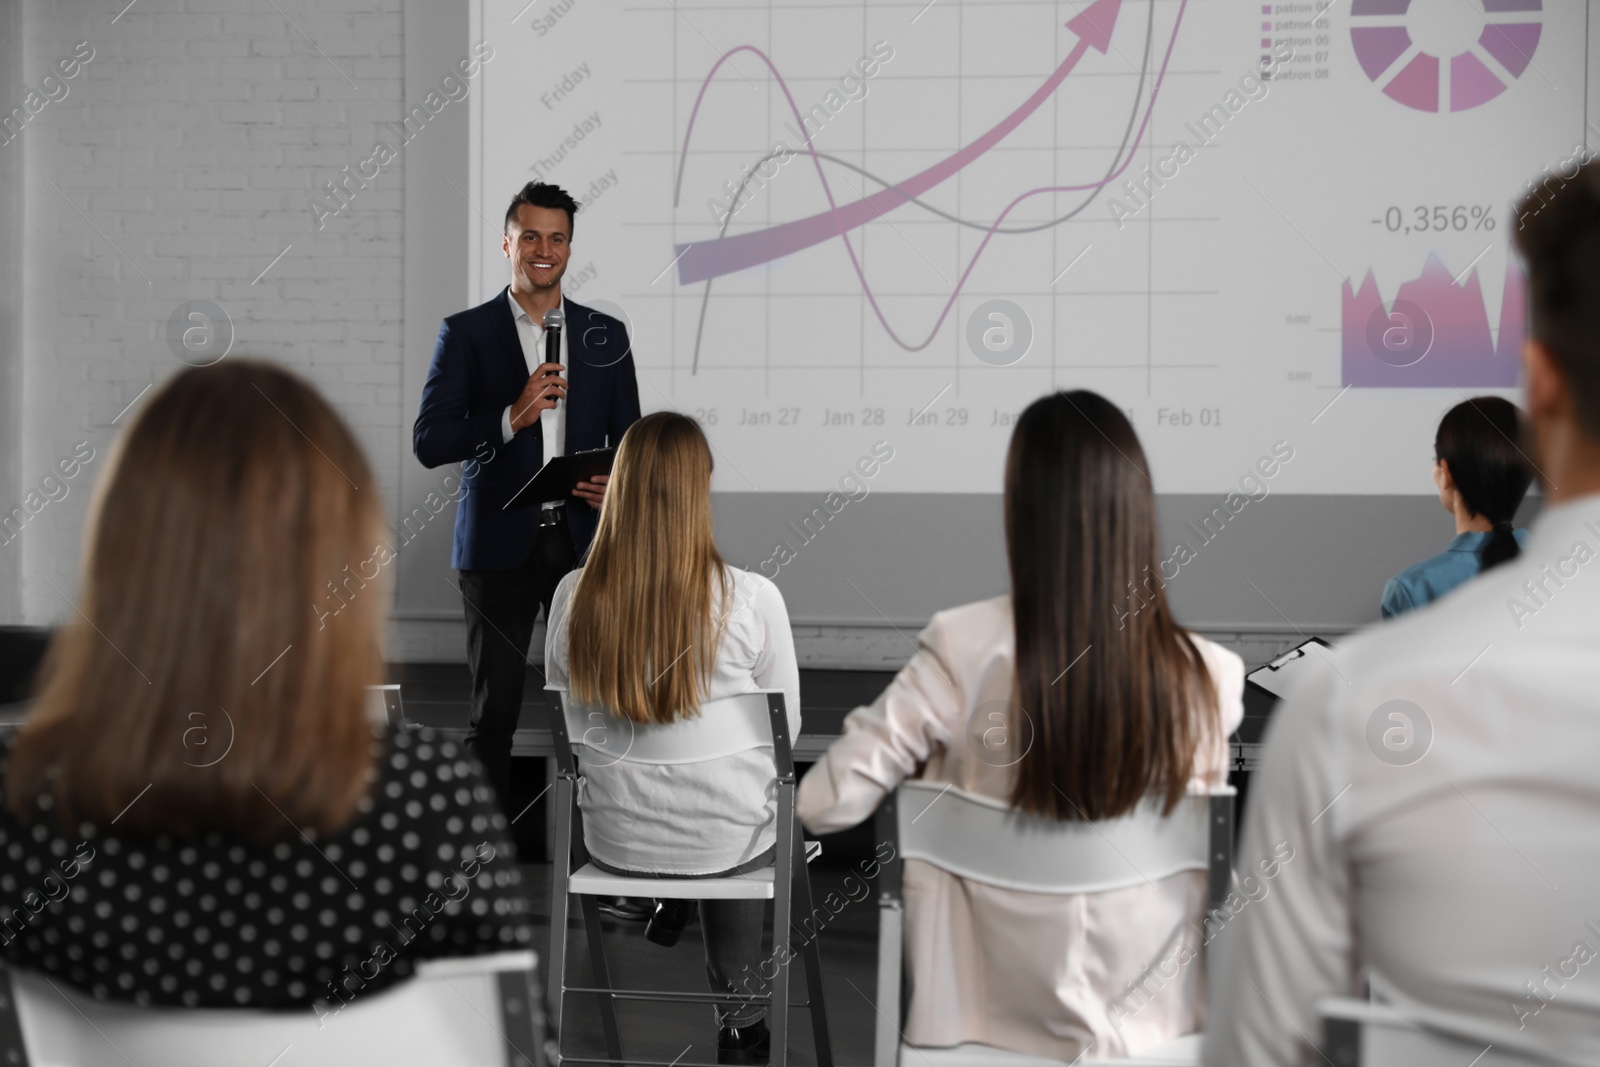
(738, 942)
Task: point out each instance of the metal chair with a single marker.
(469, 1012)
(985, 840)
(384, 707)
(1358, 1033)
(721, 728)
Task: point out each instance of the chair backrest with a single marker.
(384, 707)
(467, 1012)
(986, 840)
(1357, 1033)
(721, 728)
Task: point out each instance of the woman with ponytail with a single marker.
(1482, 477)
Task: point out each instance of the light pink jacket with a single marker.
(1056, 975)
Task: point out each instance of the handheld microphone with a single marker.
(554, 321)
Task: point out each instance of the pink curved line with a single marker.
(709, 259)
(840, 221)
(683, 156)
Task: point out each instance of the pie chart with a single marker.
(1434, 55)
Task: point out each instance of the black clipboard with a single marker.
(556, 479)
(1278, 676)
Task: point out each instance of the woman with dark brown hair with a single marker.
(1077, 697)
(1482, 475)
(196, 811)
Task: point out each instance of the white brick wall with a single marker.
(193, 142)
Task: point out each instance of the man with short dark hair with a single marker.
(1429, 799)
(493, 403)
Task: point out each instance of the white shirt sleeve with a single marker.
(555, 633)
(777, 666)
(506, 432)
(1286, 938)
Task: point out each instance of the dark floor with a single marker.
(664, 1032)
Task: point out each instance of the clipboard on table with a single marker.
(556, 479)
(1279, 676)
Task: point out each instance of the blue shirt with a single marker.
(1431, 579)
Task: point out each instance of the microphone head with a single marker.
(555, 318)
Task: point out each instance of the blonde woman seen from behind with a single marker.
(654, 625)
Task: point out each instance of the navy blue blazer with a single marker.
(478, 370)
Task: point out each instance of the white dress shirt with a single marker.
(692, 818)
(1466, 882)
(552, 421)
(1063, 975)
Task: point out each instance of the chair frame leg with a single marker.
(602, 978)
(782, 907)
(557, 964)
(891, 931)
(569, 851)
(813, 958)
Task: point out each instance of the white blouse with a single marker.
(692, 818)
(1052, 974)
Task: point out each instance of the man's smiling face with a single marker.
(538, 241)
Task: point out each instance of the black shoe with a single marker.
(744, 1044)
(669, 920)
(627, 909)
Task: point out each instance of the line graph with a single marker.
(988, 229)
(702, 261)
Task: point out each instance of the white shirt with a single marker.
(553, 421)
(692, 818)
(1463, 882)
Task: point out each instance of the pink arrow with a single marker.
(703, 260)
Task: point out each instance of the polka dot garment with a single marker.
(425, 870)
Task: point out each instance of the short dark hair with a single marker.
(540, 194)
(1558, 234)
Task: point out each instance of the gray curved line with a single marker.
(1138, 99)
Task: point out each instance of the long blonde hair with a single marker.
(641, 629)
(195, 687)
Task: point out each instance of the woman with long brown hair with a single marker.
(1077, 697)
(654, 625)
(197, 811)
